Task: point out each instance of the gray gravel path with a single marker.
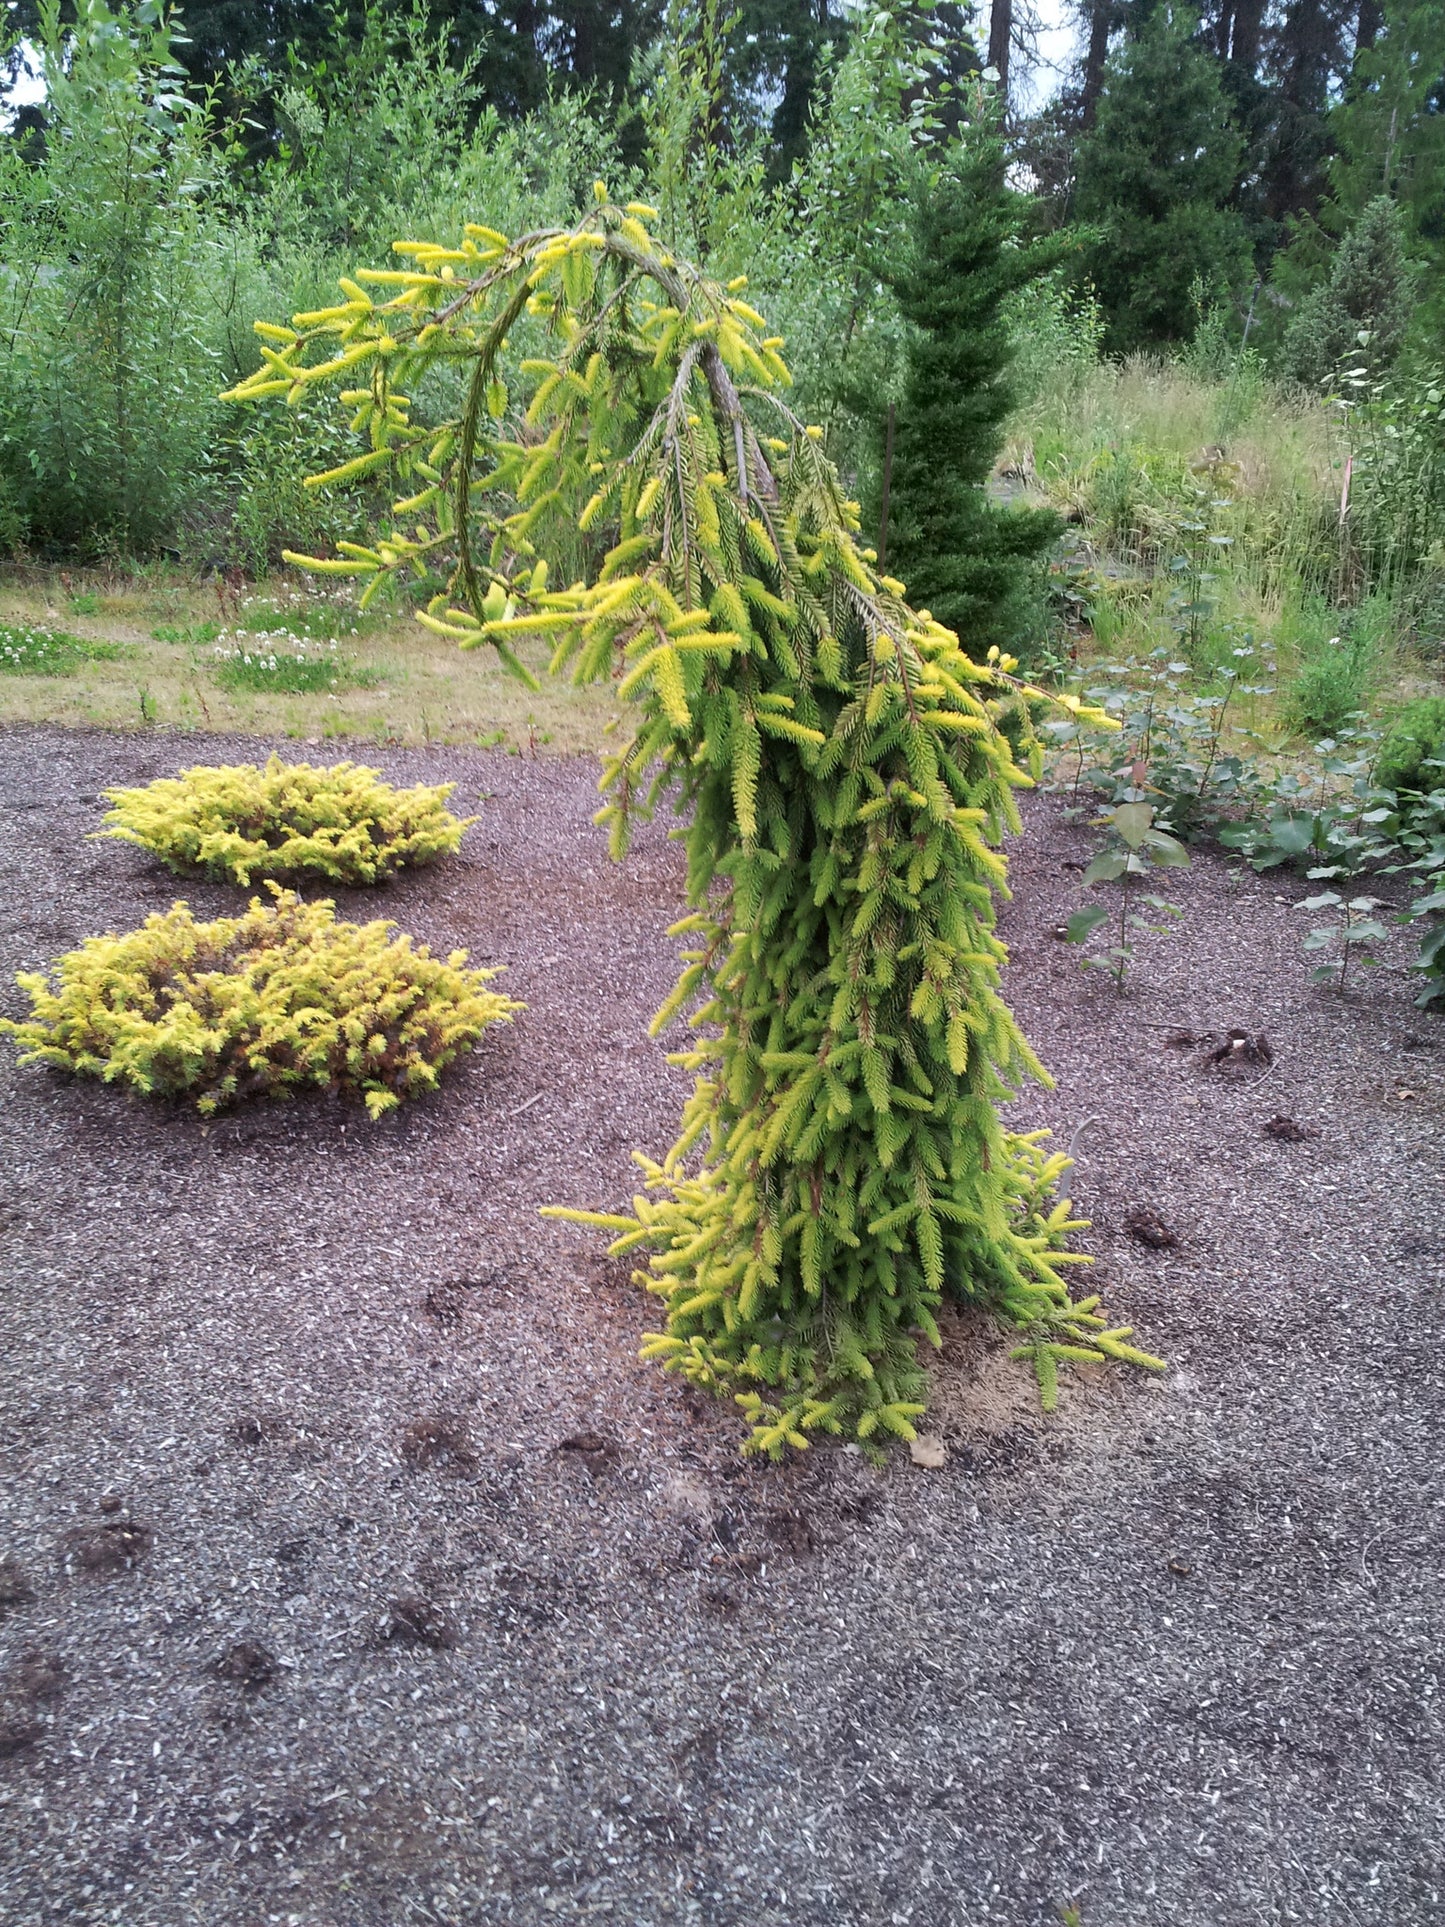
(329, 1395)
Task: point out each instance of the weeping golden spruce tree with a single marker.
(845, 771)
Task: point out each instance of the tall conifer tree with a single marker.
(975, 564)
(1156, 178)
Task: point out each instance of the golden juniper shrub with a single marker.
(282, 998)
(845, 768)
(241, 824)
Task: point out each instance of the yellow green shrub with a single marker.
(241, 824)
(279, 999)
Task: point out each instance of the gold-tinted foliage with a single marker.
(847, 774)
(241, 824)
(280, 999)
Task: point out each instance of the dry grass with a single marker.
(1285, 446)
(425, 690)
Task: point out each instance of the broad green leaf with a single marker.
(1293, 834)
(1167, 851)
(1084, 922)
(1132, 821)
(1107, 865)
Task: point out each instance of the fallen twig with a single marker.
(507, 1116)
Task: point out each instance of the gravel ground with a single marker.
(359, 1575)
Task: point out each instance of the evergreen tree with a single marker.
(1371, 288)
(776, 54)
(841, 1167)
(1156, 175)
(1306, 58)
(975, 564)
(521, 50)
(1389, 133)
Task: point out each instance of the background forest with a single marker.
(1140, 380)
(1239, 196)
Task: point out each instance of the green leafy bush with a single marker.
(28, 650)
(282, 998)
(238, 823)
(115, 263)
(1416, 737)
(1331, 684)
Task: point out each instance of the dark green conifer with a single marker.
(1370, 290)
(1157, 174)
(975, 564)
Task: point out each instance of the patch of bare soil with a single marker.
(355, 1573)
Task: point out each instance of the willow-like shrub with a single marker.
(288, 821)
(842, 765)
(281, 999)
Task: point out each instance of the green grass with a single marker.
(406, 685)
(27, 649)
(1205, 519)
(187, 635)
(284, 672)
(316, 617)
(1124, 449)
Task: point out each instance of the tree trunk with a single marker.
(1101, 19)
(1000, 35)
(1245, 34)
(1224, 29)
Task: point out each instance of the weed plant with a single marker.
(1136, 843)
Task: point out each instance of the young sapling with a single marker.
(1355, 927)
(1135, 847)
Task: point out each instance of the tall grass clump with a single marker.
(1120, 447)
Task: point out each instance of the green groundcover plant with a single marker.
(240, 824)
(29, 649)
(280, 999)
(289, 672)
(841, 1168)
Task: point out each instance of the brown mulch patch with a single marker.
(550, 1650)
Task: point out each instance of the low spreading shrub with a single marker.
(282, 998)
(240, 824)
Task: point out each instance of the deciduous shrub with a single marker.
(280, 999)
(240, 824)
(841, 1167)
